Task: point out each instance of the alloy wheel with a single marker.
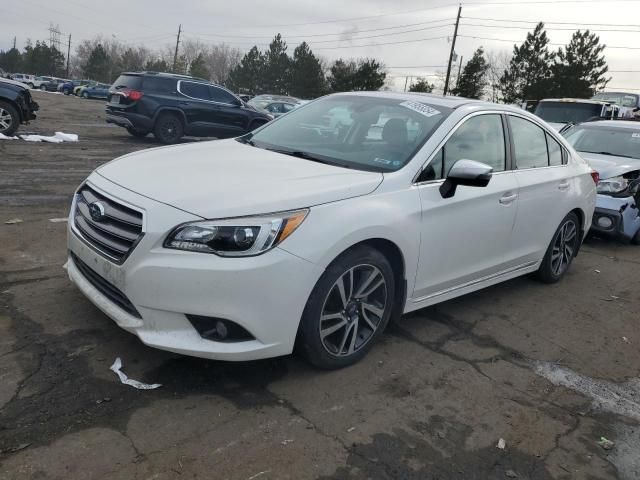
(5, 119)
(564, 247)
(353, 310)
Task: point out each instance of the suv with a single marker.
(16, 106)
(563, 112)
(172, 106)
(24, 78)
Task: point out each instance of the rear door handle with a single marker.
(508, 198)
(564, 185)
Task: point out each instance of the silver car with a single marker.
(613, 150)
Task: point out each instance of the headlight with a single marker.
(236, 237)
(613, 185)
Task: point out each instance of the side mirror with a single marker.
(468, 173)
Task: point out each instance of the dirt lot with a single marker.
(549, 369)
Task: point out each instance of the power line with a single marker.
(546, 28)
(552, 44)
(224, 35)
(422, 66)
(551, 23)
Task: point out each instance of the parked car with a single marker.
(239, 248)
(613, 150)
(172, 106)
(279, 108)
(24, 78)
(39, 81)
(52, 86)
(69, 86)
(16, 106)
(78, 89)
(563, 112)
(99, 90)
(261, 101)
(628, 102)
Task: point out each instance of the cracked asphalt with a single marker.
(549, 369)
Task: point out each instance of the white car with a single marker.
(24, 78)
(241, 249)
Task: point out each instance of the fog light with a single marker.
(221, 329)
(605, 222)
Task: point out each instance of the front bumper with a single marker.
(616, 217)
(266, 295)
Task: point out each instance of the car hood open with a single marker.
(609, 166)
(225, 178)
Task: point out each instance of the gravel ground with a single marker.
(551, 370)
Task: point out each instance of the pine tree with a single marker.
(422, 86)
(580, 69)
(529, 74)
(198, 68)
(11, 60)
(157, 65)
(247, 77)
(342, 76)
(277, 67)
(306, 78)
(473, 80)
(98, 65)
(370, 75)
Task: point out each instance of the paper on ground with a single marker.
(59, 137)
(117, 365)
(4, 137)
(58, 220)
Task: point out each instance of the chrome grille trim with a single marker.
(116, 233)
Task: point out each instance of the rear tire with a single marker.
(85, 95)
(137, 133)
(43, 88)
(348, 310)
(9, 119)
(168, 128)
(561, 251)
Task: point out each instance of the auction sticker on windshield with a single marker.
(425, 110)
(635, 135)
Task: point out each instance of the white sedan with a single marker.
(299, 234)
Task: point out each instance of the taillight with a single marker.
(596, 177)
(134, 95)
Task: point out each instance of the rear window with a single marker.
(131, 82)
(159, 85)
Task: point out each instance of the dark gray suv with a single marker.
(172, 106)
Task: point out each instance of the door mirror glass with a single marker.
(468, 173)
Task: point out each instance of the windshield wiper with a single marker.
(611, 154)
(304, 155)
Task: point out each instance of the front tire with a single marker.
(561, 251)
(348, 309)
(9, 119)
(43, 88)
(168, 128)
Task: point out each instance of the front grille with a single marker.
(104, 287)
(113, 230)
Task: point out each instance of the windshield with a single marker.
(565, 112)
(365, 133)
(621, 142)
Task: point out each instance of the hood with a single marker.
(225, 178)
(609, 166)
(14, 83)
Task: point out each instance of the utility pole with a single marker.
(68, 54)
(406, 79)
(459, 70)
(175, 55)
(14, 43)
(453, 47)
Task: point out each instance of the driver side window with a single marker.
(481, 138)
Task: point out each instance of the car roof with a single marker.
(439, 100)
(165, 75)
(575, 100)
(613, 124)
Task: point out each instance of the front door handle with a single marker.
(508, 198)
(564, 185)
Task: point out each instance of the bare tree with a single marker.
(498, 62)
(221, 59)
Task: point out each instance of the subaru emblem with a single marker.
(96, 210)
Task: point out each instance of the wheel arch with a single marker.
(583, 228)
(174, 110)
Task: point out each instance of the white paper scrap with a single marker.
(58, 220)
(117, 365)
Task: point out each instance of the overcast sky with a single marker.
(335, 28)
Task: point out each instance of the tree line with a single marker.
(532, 72)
